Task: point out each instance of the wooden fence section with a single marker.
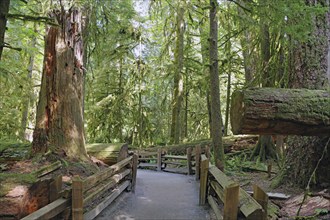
(149, 159)
(215, 186)
(160, 160)
(110, 182)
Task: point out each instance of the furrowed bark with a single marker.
(281, 111)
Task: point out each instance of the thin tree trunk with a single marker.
(178, 80)
(121, 89)
(228, 51)
(247, 50)
(267, 78)
(4, 9)
(140, 75)
(140, 119)
(185, 133)
(26, 104)
(205, 62)
(59, 122)
(215, 91)
(265, 147)
(228, 104)
(209, 111)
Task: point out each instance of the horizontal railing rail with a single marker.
(216, 188)
(160, 159)
(111, 181)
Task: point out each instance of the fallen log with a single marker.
(108, 153)
(234, 142)
(280, 111)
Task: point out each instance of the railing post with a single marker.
(269, 169)
(134, 171)
(189, 165)
(203, 180)
(231, 202)
(159, 159)
(197, 161)
(207, 151)
(54, 188)
(262, 198)
(77, 198)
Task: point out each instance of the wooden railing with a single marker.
(160, 159)
(110, 182)
(216, 187)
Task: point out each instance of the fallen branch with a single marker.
(46, 20)
(11, 47)
(274, 195)
(246, 168)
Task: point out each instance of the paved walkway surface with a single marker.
(159, 195)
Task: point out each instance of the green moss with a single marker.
(9, 180)
(4, 144)
(272, 210)
(278, 180)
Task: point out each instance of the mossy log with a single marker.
(108, 153)
(229, 143)
(269, 111)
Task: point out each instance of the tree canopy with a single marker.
(146, 63)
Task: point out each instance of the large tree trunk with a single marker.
(309, 66)
(216, 123)
(59, 122)
(280, 111)
(4, 8)
(178, 80)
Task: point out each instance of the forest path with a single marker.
(159, 195)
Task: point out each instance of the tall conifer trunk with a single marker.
(265, 148)
(216, 122)
(178, 79)
(59, 122)
(26, 103)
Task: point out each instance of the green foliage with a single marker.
(16, 86)
(129, 55)
(319, 212)
(13, 144)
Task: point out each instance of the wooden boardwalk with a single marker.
(159, 195)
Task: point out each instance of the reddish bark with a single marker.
(59, 125)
